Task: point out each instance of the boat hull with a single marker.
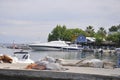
(46, 48)
(71, 49)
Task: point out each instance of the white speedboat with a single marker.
(49, 46)
(22, 57)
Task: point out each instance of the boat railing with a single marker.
(20, 52)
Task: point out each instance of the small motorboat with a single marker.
(22, 57)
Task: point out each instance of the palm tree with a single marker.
(102, 32)
(90, 31)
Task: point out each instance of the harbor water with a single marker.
(70, 55)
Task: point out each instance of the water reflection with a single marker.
(83, 55)
(106, 56)
(63, 54)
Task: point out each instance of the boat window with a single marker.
(25, 56)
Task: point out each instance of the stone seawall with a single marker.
(55, 75)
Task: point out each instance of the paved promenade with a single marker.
(73, 73)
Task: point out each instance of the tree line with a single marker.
(63, 33)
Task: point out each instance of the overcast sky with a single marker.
(32, 20)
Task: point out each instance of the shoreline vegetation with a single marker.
(102, 37)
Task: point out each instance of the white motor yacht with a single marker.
(49, 46)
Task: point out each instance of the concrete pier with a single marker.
(74, 73)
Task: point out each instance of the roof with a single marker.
(83, 39)
(92, 39)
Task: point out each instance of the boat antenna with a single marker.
(13, 44)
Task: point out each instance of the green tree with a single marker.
(62, 33)
(118, 26)
(57, 33)
(114, 37)
(102, 33)
(90, 31)
(113, 29)
(98, 38)
(67, 35)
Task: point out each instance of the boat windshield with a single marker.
(21, 55)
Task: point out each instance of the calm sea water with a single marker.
(36, 55)
(72, 55)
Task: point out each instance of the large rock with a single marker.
(109, 65)
(53, 66)
(67, 62)
(48, 63)
(96, 63)
(5, 59)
